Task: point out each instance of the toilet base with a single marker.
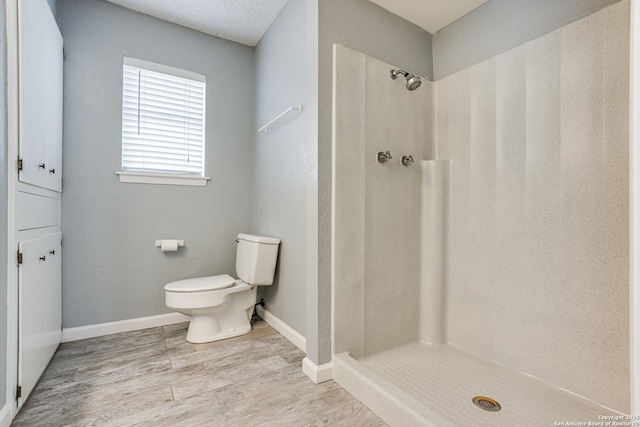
(209, 327)
(198, 336)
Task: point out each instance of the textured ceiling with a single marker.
(246, 21)
(242, 21)
(431, 15)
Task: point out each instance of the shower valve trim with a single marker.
(383, 157)
(406, 160)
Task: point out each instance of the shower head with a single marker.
(413, 81)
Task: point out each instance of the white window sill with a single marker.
(162, 178)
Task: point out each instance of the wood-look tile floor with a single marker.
(154, 377)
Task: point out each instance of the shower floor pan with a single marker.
(419, 385)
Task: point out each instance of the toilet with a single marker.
(221, 306)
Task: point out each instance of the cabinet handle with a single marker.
(43, 258)
(52, 252)
(52, 171)
(42, 166)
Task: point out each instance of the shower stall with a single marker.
(496, 266)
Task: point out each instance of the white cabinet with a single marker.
(37, 211)
(40, 85)
(37, 193)
(40, 290)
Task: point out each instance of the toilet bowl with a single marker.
(220, 306)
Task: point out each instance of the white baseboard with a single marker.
(91, 331)
(5, 416)
(318, 374)
(285, 330)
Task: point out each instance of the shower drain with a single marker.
(486, 403)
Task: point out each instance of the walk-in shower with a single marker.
(495, 268)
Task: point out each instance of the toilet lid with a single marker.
(201, 284)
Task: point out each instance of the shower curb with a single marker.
(387, 401)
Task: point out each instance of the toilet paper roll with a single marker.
(169, 245)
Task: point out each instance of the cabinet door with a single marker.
(40, 64)
(40, 297)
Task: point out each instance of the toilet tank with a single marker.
(256, 258)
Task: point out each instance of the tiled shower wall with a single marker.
(537, 273)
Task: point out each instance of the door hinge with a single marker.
(19, 257)
(19, 164)
(18, 392)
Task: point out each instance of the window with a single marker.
(163, 118)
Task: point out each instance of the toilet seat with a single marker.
(201, 284)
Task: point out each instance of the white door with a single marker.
(40, 294)
(40, 84)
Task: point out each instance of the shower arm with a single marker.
(394, 74)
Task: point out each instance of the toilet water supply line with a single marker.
(255, 307)
(405, 160)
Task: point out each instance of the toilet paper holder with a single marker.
(159, 243)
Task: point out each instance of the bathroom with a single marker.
(279, 183)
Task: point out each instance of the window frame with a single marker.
(163, 178)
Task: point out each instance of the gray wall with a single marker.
(500, 25)
(370, 29)
(111, 269)
(53, 5)
(3, 197)
(280, 166)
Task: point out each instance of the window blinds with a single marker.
(163, 112)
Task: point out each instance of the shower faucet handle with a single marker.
(407, 160)
(383, 157)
